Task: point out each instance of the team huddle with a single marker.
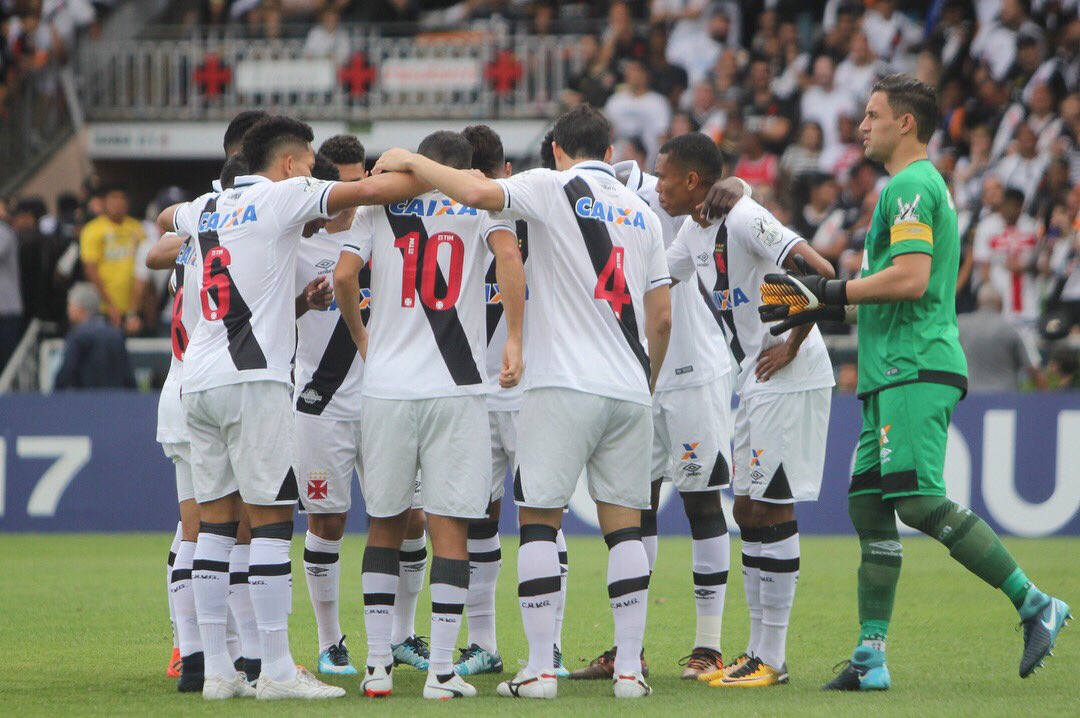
(442, 321)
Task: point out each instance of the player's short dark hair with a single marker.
(907, 95)
(234, 167)
(583, 133)
(1012, 194)
(269, 135)
(487, 149)
(324, 168)
(343, 150)
(240, 124)
(695, 152)
(447, 148)
(547, 153)
(108, 189)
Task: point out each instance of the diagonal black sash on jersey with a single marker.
(495, 309)
(445, 324)
(598, 244)
(243, 346)
(333, 367)
(724, 317)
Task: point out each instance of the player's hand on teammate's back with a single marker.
(319, 293)
(393, 160)
(513, 365)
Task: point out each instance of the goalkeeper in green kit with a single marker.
(912, 372)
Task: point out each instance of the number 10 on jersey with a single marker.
(431, 278)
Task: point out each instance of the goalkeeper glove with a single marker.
(795, 299)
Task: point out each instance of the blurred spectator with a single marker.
(107, 248)
(630, 149)
(94, 353)
(848, 150)
(595, 81)
(705, 113)
(995, 42)
(890, 33)
(764, 111)
(847, 378)
(388, 11)
(327, 40)
(755, 165)
(996, 353)
(804, 156)
(1023, 168)
(822, 193)
(637, 111)
(667, 79)
(1061, 368)
(1005, 254)
(825, 103)
(697, 40)
(970, 169)
(621, 40)
(11, 305)
(1061, 257)
(1039, 116)
(859, 70)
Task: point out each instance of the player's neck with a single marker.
(696, 214)
(903, 156)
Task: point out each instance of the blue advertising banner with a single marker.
(88, 462)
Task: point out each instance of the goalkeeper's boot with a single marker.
(335, 660)
(700, 662)
(730, 668)
(753, 674)
(1042, 617)
(413, 651)
(474, 660)
(866, 671)
(561, 671)
(173, 669)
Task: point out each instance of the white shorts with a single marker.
(692, 436)
(446, 439)
(327, 453)
(561, 431)
(503, 448)
(780, 446)
(180, 455)
(242, 440)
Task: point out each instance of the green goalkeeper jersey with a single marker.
(910, 341)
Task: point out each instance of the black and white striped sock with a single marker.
(449, 588)
(380, 580)
(628, 590)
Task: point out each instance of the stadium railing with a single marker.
(210, 75)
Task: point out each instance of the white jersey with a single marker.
(428, 336)
(731, 258)
(247, 242)
(329, 370)
(501, 399)
(171, 425)
(697, 353)
(595, 249)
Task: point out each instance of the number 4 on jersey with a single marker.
(611, 284)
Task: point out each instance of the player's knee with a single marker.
(742, 512)
(705, 514)
(928, 514)
(330, 527)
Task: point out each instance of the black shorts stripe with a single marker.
(721, 472)
(270, 569)
(238, 577)
(778, 489)
(711, 579)
(203, 564)
(900, 482)
(778, 565)
(329, 375)
(486, 556)
(322, 557)
(866, 481)
(180, 574)
(445, 324)
(289, 490)
(627, 585)
(379, 599)
(599, 245)
(539, 586)
(454, 609)
(519, 493)
(243, 346)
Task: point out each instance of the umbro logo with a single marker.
(317, 571)
(702, 260)
(692, 470)
(704, 592)
(414, 567)
(325, 263)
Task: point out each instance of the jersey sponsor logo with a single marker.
(589, 208)
(885, 548)
(906, 211)
(187, 256)
(212, 221)
(767, 231)
(417, 207)
(493, 295)
(727, 299)
(688, 451)
(311, 396)
(317, 488)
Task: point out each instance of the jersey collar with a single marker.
(633, 173)
(248, 180)
(595, 165)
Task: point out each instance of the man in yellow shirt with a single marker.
(107, 247)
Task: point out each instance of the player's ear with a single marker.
(609, 153)
(509, 169)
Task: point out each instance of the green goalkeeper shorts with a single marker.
(902, 443)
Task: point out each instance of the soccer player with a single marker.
(236, 391)
(784, 386)
(691, 436)
(424, 396)
(598, 286)
(912, 372)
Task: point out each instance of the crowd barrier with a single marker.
(88, 462)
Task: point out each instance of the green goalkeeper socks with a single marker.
(879, 570)
(970, 541)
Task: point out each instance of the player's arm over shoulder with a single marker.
(528, 194)
(909, 205)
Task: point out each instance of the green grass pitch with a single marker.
(84, 631)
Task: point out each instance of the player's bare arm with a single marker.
(510, 274)
(164, 252)
(471, 189)
(385, 188)
(348, 296)
(657, 328)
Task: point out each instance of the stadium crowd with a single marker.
(780, 86)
